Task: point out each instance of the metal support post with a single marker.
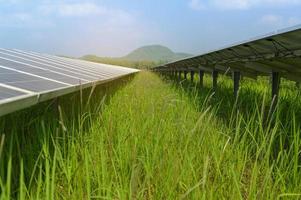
(236, 82)
(192, 76)
(201, 75)
(275, 87)
(214, 79)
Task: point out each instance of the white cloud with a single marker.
(23, 20)
(293, 21)
(278, 21)
(239, 4)
(196, 5)
(22, 17)
(272, 19)
(79, 9)
(72, 9)
(107, 31)
(11, 1)
(233, 4)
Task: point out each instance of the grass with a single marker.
(155, 139)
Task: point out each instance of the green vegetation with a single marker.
(122, 62)
(155, 139)
(155, 53)
(142, 58)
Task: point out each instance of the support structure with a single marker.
(214, 79)
(236, 82)
(192, 76)
(201, 76)
(275, 87)
(179, 75)
(185, 75)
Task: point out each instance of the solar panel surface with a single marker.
(27, 78)
(6, 93)
(276, 52)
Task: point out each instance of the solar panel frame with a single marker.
(92, 65)
(41, 62)
(26, 98)
(274, 49)
(41, 72)
(49, 67)
(55, 61)
(7, 93)
(79, 63)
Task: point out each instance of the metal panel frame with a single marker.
(236, 56)
(17, 103)
(276, 54)
(31, 98)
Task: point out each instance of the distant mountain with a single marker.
(141, 58)
(155, 53)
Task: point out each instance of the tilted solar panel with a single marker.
(27, 78)
(6, 93)
(276, 52)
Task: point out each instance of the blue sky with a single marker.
(115, 27)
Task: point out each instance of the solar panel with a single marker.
(80, 73)
(276, 52)
(55, 62)
(6, 93)
(90, 68)
(27, 78)
(51, 74)
(104, 70)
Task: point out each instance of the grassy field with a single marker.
(152, 138)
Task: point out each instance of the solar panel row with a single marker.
(28, 74)
(276, 52)
(6, 93)
(276, 55)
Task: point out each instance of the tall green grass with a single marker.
(154, 139)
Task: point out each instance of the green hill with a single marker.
(141, 58)
(154, 53)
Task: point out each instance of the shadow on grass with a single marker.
(222, 99)
(24, 134)
(253, 107)
(249, 102)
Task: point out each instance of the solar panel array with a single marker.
(276, 52)
(27, 78)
